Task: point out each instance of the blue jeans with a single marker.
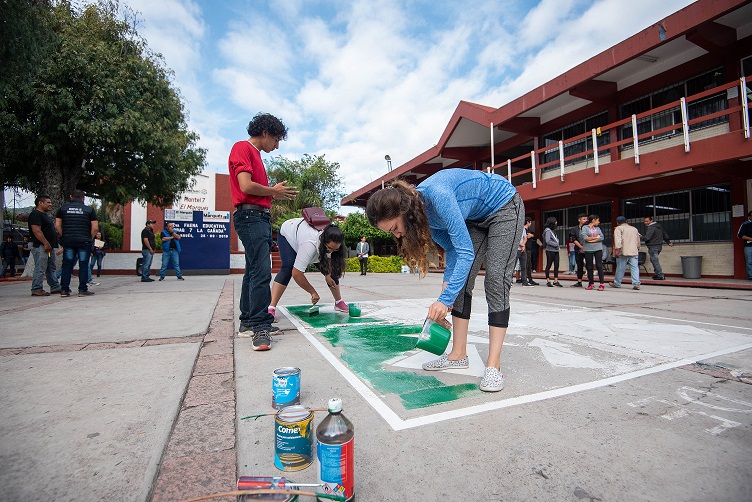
(748, 259)
(171, 255)
(95, 258)
(146, 268)
(653, 252)
(255, 232)
(572, 262)
(71, 252)
(44, 266)
(621, 268)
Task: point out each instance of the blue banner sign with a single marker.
(204, 240)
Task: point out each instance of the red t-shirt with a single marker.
(244, 157)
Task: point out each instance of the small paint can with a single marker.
(434, 337)
(264, 482)
(293, 438)
(285, 387)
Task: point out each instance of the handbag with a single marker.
(316, 217)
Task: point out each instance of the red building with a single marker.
(656, 125)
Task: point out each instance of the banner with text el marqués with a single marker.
(204, 240)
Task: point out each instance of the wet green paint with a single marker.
(367, 342)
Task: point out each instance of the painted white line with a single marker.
(394, 421)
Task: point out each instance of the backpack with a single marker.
(316, 217)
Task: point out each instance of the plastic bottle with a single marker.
(335, 439)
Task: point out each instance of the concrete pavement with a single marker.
(137, 393)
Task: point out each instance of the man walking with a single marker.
(362, 249)
(76, 224)
(252, 197)
(148, 245)
(655, 236)
(745, 234)
(43, 244)
(626, 251)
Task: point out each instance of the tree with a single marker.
(356, 225)
(317, 182)
(100, 114)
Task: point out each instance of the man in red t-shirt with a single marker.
(252, 197)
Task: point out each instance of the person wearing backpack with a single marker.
(300, 245)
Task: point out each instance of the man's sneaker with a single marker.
(558, 284)
(147, 280)
(341, 306)
(55, 291)
(247, 331)
(92, 283)
(273, 312)
(443, 363)
(532, 282)
(576, 285)
(64, 293)
(161, 278)
(636, 286)
(262, 340)
(613, 285)
(549, 285)
(181, 278)
(493, 380)
(85, 293)
(39, 292)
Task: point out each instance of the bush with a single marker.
(112, 235)
(377, 264)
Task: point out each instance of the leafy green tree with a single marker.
(356, 225)
(99, 114)
(316, 179)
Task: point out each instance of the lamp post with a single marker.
(388, 163)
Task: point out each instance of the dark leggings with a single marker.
(552, 257)
(598, 257)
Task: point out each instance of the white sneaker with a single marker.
(92, 283)
(493, 380)
(443, 363)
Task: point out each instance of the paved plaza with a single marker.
(141, 392)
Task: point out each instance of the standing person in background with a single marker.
(745, 234)
(25, 249)
(98, 253)
(579, 243)
(362, 249)
(77, 225)
(474, 216)
(43, 244)
(571, 252)
(531, 252)
(522, 254)
(552, 251)
(148, 247)
(170, 251)
(252, 197)
(655, 236)
(593, 237)
(626, 251)
(11, 255)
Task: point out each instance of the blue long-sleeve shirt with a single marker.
(451, 197)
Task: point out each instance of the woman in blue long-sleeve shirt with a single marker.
(473, 216)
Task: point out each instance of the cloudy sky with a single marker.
(358, 79)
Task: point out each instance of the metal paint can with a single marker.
(251, 482)
(285, 387)
(293, 438)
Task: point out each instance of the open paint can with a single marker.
(434, 338)
(354, 309)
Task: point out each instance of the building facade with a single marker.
(657, 125)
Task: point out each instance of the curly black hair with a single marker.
(334, 265)
(266, 122)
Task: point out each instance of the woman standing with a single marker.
(473, 216)
(301, 245)
(592, 236)
(552, 251)
(97, 255)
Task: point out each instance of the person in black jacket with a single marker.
(10, 253)
(655, 236)
(77, 225)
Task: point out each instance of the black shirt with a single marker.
(148, 233)
(77, 218)
(48, 228)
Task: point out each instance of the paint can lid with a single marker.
(335, 405)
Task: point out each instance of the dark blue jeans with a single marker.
(147, 259)
(71, 252)
(255, 232)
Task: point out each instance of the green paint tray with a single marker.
(434, 338)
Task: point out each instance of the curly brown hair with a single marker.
(401, 199)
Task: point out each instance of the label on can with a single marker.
(285, 387)
(336, 468)
(293, 442)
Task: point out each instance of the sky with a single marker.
(357, 80)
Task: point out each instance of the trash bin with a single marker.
(691, 267)
(139, 265)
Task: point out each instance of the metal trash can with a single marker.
(691, 267)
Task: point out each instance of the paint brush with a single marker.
(313, 310)
(276, 412)
(266, 492)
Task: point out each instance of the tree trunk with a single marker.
(57, 181)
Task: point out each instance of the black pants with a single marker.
(580, 259)
(552, 258)
(9, 264)
(363, 265)
(596, 257)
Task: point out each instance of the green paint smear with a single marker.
(324, 319)
(366, 347)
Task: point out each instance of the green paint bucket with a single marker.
(434, 338)
(354, 310)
